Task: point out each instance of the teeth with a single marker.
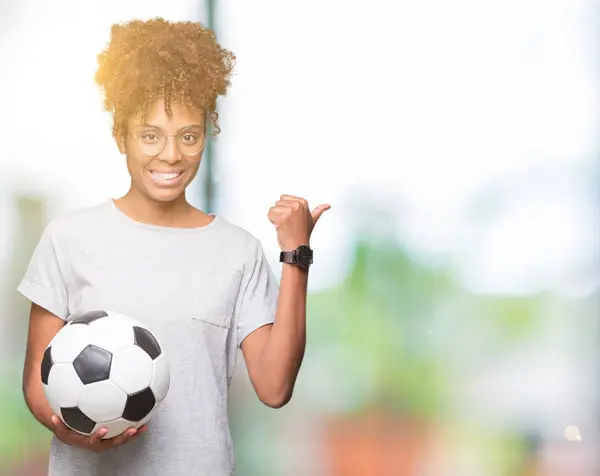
(170, 176)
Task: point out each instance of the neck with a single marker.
(139, 207)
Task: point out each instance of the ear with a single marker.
(121, 139)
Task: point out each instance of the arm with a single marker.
(274, 353)
(43, 326)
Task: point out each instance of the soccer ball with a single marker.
(104, 370)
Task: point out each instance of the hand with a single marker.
(95, 442)
(294, 221)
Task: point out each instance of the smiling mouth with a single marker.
(166, 176)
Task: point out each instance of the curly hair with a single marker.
(157, 59)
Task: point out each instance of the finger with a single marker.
(291, 204)
(280, 209)
(56, 423)
(62, 430)
(59, 426)
(277, 214)
(97, 436)
(318, 211)
(275, 219)
(142, 429)
(124, 437)
(295, 199)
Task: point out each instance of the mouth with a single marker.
(166, 178)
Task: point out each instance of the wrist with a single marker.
(292, 245)
(294, 268)
(301, 256)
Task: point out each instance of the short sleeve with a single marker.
(258, 302)
(43, 282)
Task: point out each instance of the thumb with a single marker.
(58, 426)
(318, 211)
(56, 423)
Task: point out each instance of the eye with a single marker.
(150, 137)
(189, 138)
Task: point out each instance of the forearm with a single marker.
(279, 362)
(38, 404)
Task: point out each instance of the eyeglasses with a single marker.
(153, 142)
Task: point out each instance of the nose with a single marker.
(170, 153)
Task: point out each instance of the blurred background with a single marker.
(454, 301)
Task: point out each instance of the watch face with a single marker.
(304, 256)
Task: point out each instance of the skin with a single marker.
(147, 200)
(273, 353)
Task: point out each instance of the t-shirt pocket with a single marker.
(216, 302)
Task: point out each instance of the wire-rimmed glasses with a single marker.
(152, 141)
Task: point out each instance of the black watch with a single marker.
(301, 256)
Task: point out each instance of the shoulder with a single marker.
(235, 237)
(76, 222)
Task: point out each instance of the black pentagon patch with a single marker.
(89, 317)
(47, 364)
(93, 364)
(139, 405)
(77, 420)
(143, 338)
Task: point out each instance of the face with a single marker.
(164, 153)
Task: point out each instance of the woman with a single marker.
(201, 283)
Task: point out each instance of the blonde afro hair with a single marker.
(157, 59)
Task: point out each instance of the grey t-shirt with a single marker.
(201, 291)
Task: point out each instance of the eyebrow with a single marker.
(158, 127)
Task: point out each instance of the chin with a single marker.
(165, 195)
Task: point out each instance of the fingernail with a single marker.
(132, 432)
(103, 432)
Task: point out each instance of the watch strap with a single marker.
(287, 257)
